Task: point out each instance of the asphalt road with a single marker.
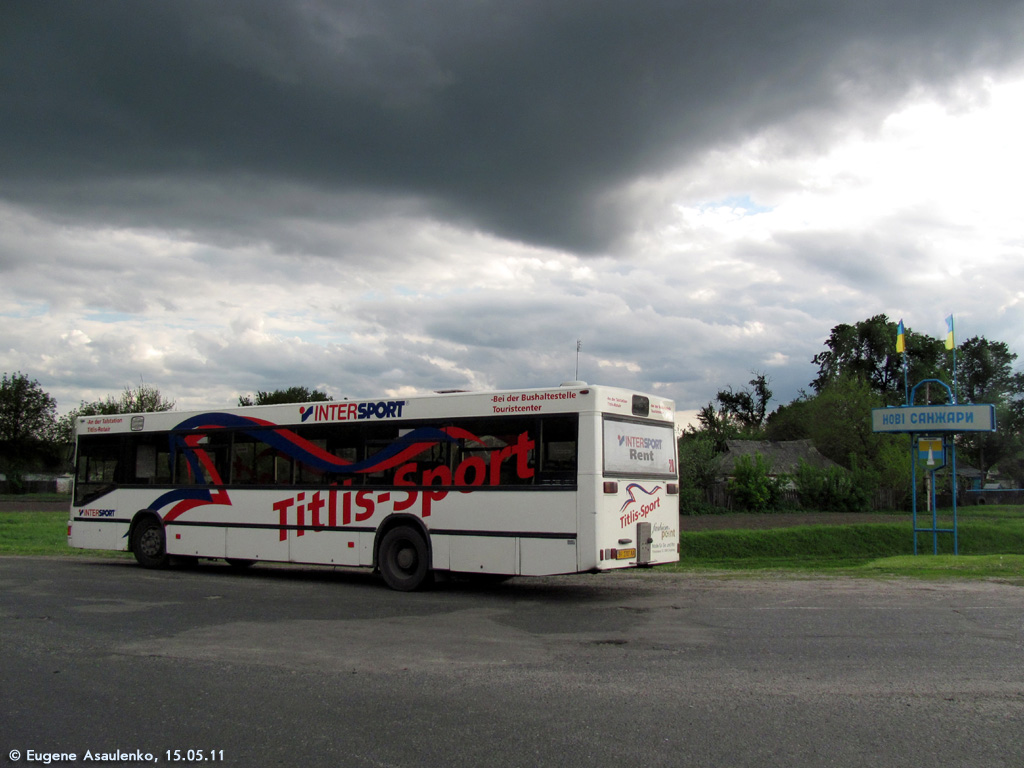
(311, 667)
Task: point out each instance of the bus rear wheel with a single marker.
(148, 543)
(403, 559)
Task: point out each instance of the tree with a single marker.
(716, 425)
(791, 422)
(747, 407)
(27, 413)
(868, 350)
(839, 420)
(27, 424)
(984, 372)
(288, 396)
(142, 399)
(985, 375)
(739, 413)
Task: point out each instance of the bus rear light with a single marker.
(610, 486)
(672, 489)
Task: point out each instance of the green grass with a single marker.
(990, 545)
(1006, 567)
(40, 533)
(33, 533)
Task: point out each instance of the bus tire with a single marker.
(403, 559)
(148, 543)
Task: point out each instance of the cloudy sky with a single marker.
(393, 197)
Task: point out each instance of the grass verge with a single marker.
(41, 533)
(989, 548)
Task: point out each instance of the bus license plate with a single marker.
(625, 554)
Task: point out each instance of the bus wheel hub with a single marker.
(406, 558)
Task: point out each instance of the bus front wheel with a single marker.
(403, 559)
(148, 543)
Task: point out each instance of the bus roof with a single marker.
(570, 398)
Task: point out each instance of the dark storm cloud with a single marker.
(515, 117)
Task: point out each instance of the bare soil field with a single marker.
(784, 520)
(28, 504)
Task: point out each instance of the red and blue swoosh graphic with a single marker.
(632, 488)
(188, 434)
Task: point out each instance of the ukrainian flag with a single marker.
(901, 342)
(949, 333)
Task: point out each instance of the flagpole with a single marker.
(906, 380)
(951, 344)
(956, 396)
(901, 346)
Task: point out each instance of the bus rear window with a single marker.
(635, 449)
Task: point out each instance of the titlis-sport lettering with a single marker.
(648, 503)
(635, 515)
(385, 409)
(320, 509)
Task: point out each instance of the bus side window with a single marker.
(243, 452)
(558, 451)
(254, 462)
(146, 460)
(96, 471)
(495, 445)
(202, 459)
(282, 470)
(326, 440)
(145, 463)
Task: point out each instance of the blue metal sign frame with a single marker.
(946, 420)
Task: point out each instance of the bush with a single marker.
(694, 501)
(15, 481)
(699, 466)
(753, 488)
(833, 489)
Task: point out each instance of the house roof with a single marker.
(783, 456)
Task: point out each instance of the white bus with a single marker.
(571, 479)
